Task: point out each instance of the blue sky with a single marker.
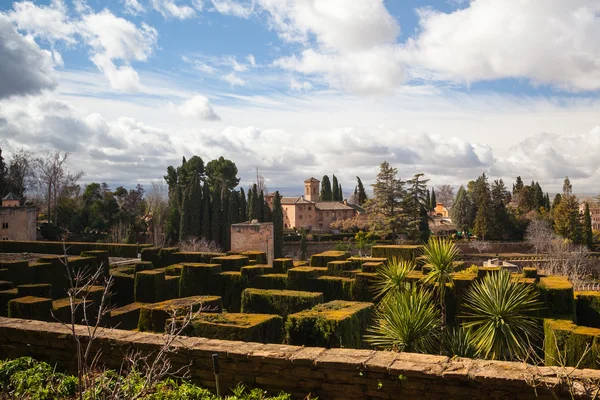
(303, 88)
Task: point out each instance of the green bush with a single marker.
(140, 266)
(53, 273)
(588, 308)
(363, 283)
(565, 343)
(338, 268)
(300, 278)
(334, 324)
(357, 262)
(123, 284)
(262, 328)
(281, 265)
(61, 310)
(102, 259)
(371, 266)
(171, 290)
(271, 281)
(231, 263)
(321, 259)
(5, 297)
(197, 278)
(559, 299)
(195, 257)
(72, 248)
(281, 302)
(30, 307)
(166, 256)
(404, 252)
(530, 272)
(5, 285)
(153, 317)
(18, 272)
(260, 257)
(149, 286)
(229, 285)
(25, 378)
(251, 272)
(35, 289)
(126, 317)
(334, 287)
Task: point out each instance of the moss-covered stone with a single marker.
(559, 299)
(334, 324)
(231, 263)
(281, 302)
(260, 257)
(281, 265)
(149, 286)
(334, 287)
(262, 328)
(5, 297)
(30, 307)
(300, 278)
(126, 317)
(588, 308)
(321, 259)
(36, 290)
(530, 272)
(153, 317)
(565, 342)
(271, 281)
(404, 252)
(197, 278)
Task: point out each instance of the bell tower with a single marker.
(311, 189)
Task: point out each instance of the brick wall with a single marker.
(329, 374)
(248, 236)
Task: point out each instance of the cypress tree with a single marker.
(335, 187)
(303, 246)
(249, 205)
(462, 211)
(190, 211)
(433, 201)
(261, 207)
(216, 215)
(428, 198)
(423, 224)
(341, 193)
(242, 211)
(362, 194)
(588, 234)
(225, 220)
(326, 193)
(256, 205)
(206, 213)
(484, 214)
(267, 214)
(234, 207)
(277, 226)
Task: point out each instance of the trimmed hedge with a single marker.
(153, 317)
(5, 297)
(30, 307)
(126, 317)
(17, 272)
(195, 256)
(334, 324)
(557, 294)
(123, 284)
(140, 266)
(36, 290)
(251, 272)
(281, 302)
(363, 282)
(173, 270)
(61, 310)
(300, 278)
(301, 264)
(334, 287)
(197, 278)
(171, 288)
(321, 259)
(149, 286)
(588, 308)
(231, 263)
(357, 262)
(262, 328)
(259, 256)
(405, 252)
(53, 273)
(371, 266)
(338, 268)
(229, 285)
(102, 259)
(567, 341)
(271, 281)
(530, 272)
(72, 248)
(6, 285)
(281, 265)
(483, 271)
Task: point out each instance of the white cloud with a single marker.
(296, 85)
(548, 42)
(251, 60)
(197, 107)
(169, 9)
(49, 23)
(233, 7)
(233, 79)
(122, 77)
(24, 67)
(133, 7)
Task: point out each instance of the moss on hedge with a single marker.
(567, 342)
(559, 299)
(334, 287)
(260, 257)
(30, 307)
(126, 317)
(321, 259)
(61, 310)
(35, 289)
(231, 263)
(197, 278)
(334, 324)
(357, 262)
(149, 286)
(250, 272)
(72, 248)
(5, 297)
(588, 308)
(281, 265)
(300, 278)
(53, 273)
(271, 281)
(405, 252)
(153, 317)
(338, 268)
(281, 302)
(173, 270)
(262, 328)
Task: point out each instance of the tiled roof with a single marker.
(311, 179)
(10, 196)
(295, 200)
(331, 206)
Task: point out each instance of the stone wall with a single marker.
(328, 374)
(18, 223)
(249, 236)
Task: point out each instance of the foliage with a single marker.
(566, 215)
(385, 207)
(445, 195)
(500, 316)
(335, 190)
(303, 245)
(361, 192)
(391, 277)
(326, 191)
(406, 321)
(222, 172)
(588, 234)
(458, 342)
(462, 211)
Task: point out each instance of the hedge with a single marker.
(30, 307)
(195, 257)
(231, 263)
(171, 288)
(102, 259)
(334, 287)
(229, 285)
(165, 256)
(250, 272)
(563, 340)
(149, 286)
(530, 272)
(72, 248)
(6, 285)
(197, 278)
(61, 310)
(338, 268)
(5, 297)
(405, 252)
(123, 284)
(363, 283)
(262, 328)
(173, 270)
(301, 264)
(483, 271)
(281, 265)
(588, 308)
(54, 274)
(17, 272)
(334, 324)
(281, 302)
(357, 262)
(557, 294)
(321, 259)
(371, 266)
(299, 278)
(259, 256)
(126, 317)
(153, 317)
(140, 266)
(271, 281)
(36, 290)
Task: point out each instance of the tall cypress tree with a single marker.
(277, 226)
(588, 234)
(326, 193)
(225, 220)
(206, 213)
(341, 193)
(256, 206)
(249, 206)
(216, 215)
(423, 224)
(462, 211)
(267, 214)
(261, 206)
(484, 214)
(362, 194)
(335, 187)
(190, 225)
(3, 177)
(428, 198)
(242, 213)
(433, 200)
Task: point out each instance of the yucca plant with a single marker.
(500, 316)
(439, 254)
(391, 277)
(458, 343)
(406, 321)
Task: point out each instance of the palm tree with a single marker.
(407, 320)
(501, 316)
(439, 255)
(391, 277)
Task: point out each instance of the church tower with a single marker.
(311, 189)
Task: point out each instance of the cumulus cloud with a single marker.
(50, 23)
(547, 42)
(133, 7)
(24, 67)
(197, 107)
(169, 9)
(232, 7)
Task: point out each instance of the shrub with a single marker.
(30, 307)
(281, 265)
(126, 317)
(271, 281)
(406, 252)
(153, 317)
(338, 268)
(149, 286)
(197, 278)
(565, 343)
(260, 257)
(300, 278)
(231, 263)
(35, 289)
(262, 328)
(334, 287)
(559, 299)
(123, 284)
(229, 285)
(588, 308)
(321, 259)
(281, 302)
(5, 297)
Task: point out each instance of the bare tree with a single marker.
(200, 245)
(540, 235)
(480, 245)
(21, 172)
(260, 183)
(157, 212)
(445, 194)
(567, 259)
(55, 177)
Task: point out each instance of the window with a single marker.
(307, 191)
(5, 225)
(4, 237)
(314, 190)
(309, 208)
(299, 216)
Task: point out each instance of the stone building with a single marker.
(440, 211)
(247, 236)
(307, 211)
(17, 222)
(594, 213)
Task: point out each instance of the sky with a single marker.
(301, 88)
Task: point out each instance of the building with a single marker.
(440, 211)
(248, 236)
(594, 213)
(307, 211)
(17, 222)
